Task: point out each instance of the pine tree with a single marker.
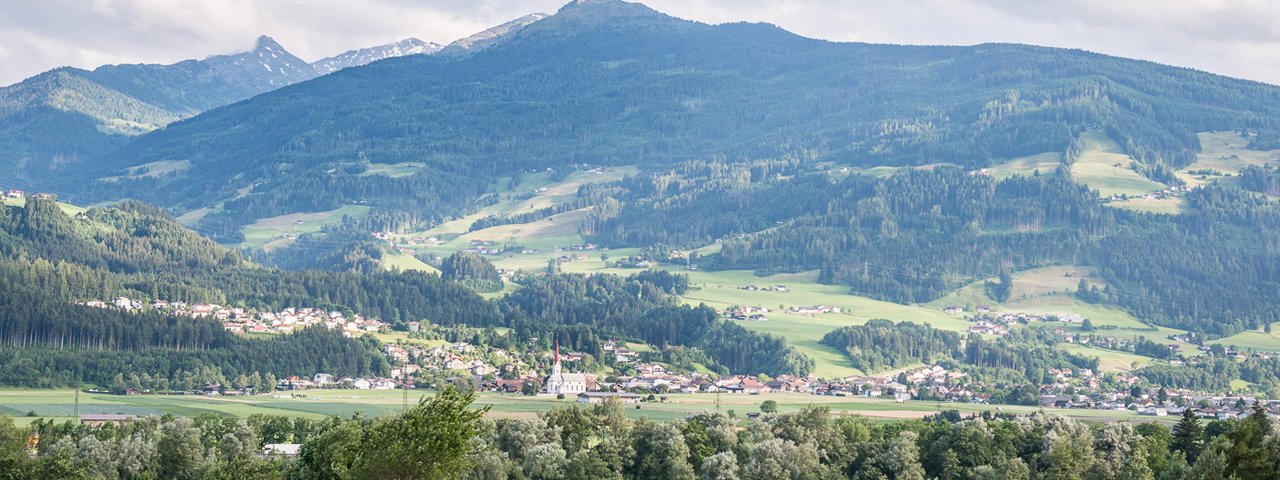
(1188, 435)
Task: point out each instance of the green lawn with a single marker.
(270, 232)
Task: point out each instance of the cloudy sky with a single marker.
(1240, 38)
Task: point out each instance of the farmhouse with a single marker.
(601, 397)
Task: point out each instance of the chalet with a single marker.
(953, 310)
(98, 420)
(601, 397)
(15, 193)
(361, 384)
(322, 379)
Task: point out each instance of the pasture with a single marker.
(1104, 167)
(1045, 163)
(393, 170)
(26, 406)
(273, 232)
(1257, 339)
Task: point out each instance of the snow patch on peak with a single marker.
(364, 56)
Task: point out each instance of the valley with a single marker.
(610, 243)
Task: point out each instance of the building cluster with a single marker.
(15, 194)
(766, 288)
(754, 313)
(325, 380)
(242, 320)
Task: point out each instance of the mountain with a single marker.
(881, 151)
(490, 37)
(51, 123)
(617, 83)
(365, 56)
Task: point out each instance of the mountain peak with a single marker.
(267, 43)
(364, 56)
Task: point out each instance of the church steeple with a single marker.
(555, 368)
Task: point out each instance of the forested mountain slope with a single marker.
(616, 83)
(53, 122)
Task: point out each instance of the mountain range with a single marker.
(54, 121)
(908, 171)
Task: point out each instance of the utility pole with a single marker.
(717, 400)
(77, 407)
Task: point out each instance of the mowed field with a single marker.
(270, 233)
(25, 406)
(1105, 167)
(1254, 339)
(1045, 163)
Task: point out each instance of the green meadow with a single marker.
(268, 233)
(26, 406)
(1104, 167)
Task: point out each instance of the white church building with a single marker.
(564, 383)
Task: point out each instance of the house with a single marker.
(282, 449)
(361, 384)
(98, 420)
(322, 379)
(601, 397)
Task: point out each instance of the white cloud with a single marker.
(1233, 37)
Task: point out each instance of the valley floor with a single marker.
(27, 405)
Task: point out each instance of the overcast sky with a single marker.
(1240, 38)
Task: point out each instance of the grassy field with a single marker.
(269, 233)
(405, 262)
(60, 405)
(1254, 339)
(1224, 154)
(394, 170)
(152, 170)
(1105, 167)
(1026, 166)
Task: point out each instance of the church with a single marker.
(564, 383)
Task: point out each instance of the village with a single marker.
(241, 320)
(497, 370)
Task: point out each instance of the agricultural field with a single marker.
(394, 170)
(1049, 290)
(1104, 167)
(405, 262)
(26, 406)
(1045, 163)
(274, 232)
(1253, 339)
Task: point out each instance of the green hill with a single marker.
(613, 83)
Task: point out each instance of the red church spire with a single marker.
(557, 350)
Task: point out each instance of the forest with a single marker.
(54, 260)
(920, 234)
(446, 437)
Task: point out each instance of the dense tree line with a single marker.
(882, 345)
(306, 352)
(472, 270)
(442, 437)
(643, 306)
